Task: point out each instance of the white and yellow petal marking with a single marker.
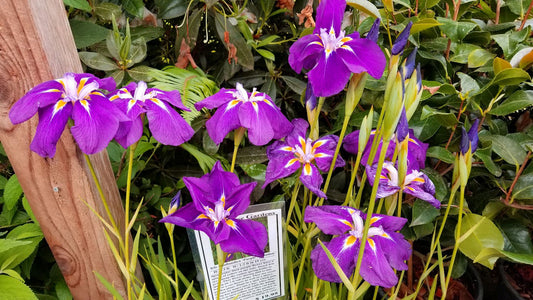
(308, 171)
(58, 106)
(202, 216)
(386, 235)
(268, 102)
(372, 244)
(82, 83)
(319, 143)
(349, 242)
(131, 104)
(291, 162)
(346, 222)
(374, 220)
(256, 107)
(159, 103)
(50, 91)
(85, 105)
(287, 148)
(232, 104)
(114, 97)
(231, 223)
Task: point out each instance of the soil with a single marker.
(521, 279)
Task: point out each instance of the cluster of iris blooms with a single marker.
(331, 57)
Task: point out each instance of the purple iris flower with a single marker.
(218, 200)
(385, 249)
(401, 40)
(166, 125)
(416, 155)
(254, 111)
(297, 151)
(415, 183)
(331, 55)
(75, 96)
(470, 140)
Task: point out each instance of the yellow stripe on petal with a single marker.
(115, 97)
(372, 244)
(223, 200)
(256, 107)
(385, 235)
(287, 148)
(82, 83)
(85, 105)
(349, 241)
(316, 43)
(50, 91)
(419, 179)
(202, 216)
(268, 102)
(231, 223)
(318, 144)
(307, 170)
(59, 105)
(159, 103)
(346, 39)
(346, 223)
(291, 162)
(318, 155)
(410, 188)
(346, 47)
(374, 220)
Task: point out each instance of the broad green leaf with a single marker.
(469, 85)
(256, 171)
(425, 129)
(12, 192)
(141, 73)
(252, 155)
(137, 51)
(462, 51)
(118, 75)
(518, 7)
(87, 33)
(11, 288)
(491, 253)
(3, 182)
(507, 148)
(266, 40)
(107, 11)
(518, 100)
(424, 24)
(492, 209)
(134, 7)
(423, 213)
(479, 58)
(517, 237)
(295, 84)
(512, 76)
(79, 4)
(523, 189)
(205, 161)
(425, 4)
(27, 232)
(441, 185)
(148, 33)
(436, 57)
(446, 119)
(510, 41)
(98, 61)
(13, 252)
(62, 290)
(455, 30)
(485, 154)
(484, 235)
(170, 9)
(266, 54)
(367, 7)
(441, 153)
(500, 64)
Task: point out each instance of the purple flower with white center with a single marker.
(298, 151)
(415, 183)
(416, 155)
(254, 111)
(218, 200)
(385, 249)
(75, 96)
(470, 140)
(331, 56)
(166, 125)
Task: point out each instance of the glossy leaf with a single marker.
(423, 213)
(479, 58)
(441, 153)
(11, 288)
(424, 24)
(134, 7)
(523, 190)
(511, 77)
(478, 233)
(87, 33)
(518, 100)
(12, 192)
(517, 237)
(107, 11)
(455, 30)
(244, 52)
(98, 61)
(506, 148)
(485, 154)
(169, 9)
(366, 6)
(446, 119)
(500, 64)
(79, 4)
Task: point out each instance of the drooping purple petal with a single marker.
(254, 117)
(363, 55)
(166, 125)
(172, 97)
(330, 219)
(465, 141)
(246, 236)
(310, 97)
(401, 40)
(388, 223)
(422, 188)
(221, 97)
(280, 165)
(473, 136)
(51, 125)
(325, 146)
(299, 131)
(305, 52)
(329, 14)
(326, 67)
(221, 182)
(312, 179)
(395, 248)
(409, 66)
(344, 249)
(43, 95)
(225, 119)
(95, 124)
(375, 268)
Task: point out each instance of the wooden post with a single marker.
(36, 45)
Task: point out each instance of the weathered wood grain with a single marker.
(36, 45)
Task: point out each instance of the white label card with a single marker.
(247, 277)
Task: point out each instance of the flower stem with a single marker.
(313, 133)
(349, 194)
(334, 160)
(369, 213)
(237, 138)
(100, 192)
(221, 259)
(127, 219)
(293, 200)
(457, 236)
(174, 264)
